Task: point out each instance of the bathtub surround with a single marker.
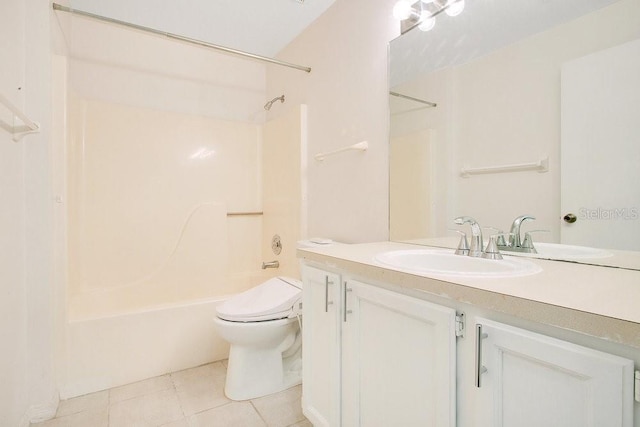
(149, 193)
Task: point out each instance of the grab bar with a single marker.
(360, 146)
(411, 98)
(540, 166)
(244, 213)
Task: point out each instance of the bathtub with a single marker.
(114, 350)
(109, 343)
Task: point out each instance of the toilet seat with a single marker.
(277, 298)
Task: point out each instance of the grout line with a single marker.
(258, 412)
(175, 389)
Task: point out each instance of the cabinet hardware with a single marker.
(326, 294)
(479, 368)
(460, 325)
(637, 386)
(346, 289)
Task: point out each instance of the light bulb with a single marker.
(402, 10)
(455, 7)
(427, 22)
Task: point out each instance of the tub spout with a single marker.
(270, 264)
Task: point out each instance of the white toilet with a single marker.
(262, 327)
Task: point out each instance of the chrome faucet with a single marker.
(515, 239)
(476, 235)
(270, 264)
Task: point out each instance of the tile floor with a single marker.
(190, 398)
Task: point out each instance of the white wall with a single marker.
(27, 389)
(522, 122)
(14, 399)
(346, 92)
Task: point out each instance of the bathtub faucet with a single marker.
(270, 264)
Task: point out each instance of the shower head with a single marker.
(268, 105)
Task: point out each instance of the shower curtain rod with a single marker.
(411, 98)
(61, 8)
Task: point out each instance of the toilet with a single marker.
(262, 326)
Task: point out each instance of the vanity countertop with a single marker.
(598, 301)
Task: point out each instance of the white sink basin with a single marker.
(444, 263)
(558, 251)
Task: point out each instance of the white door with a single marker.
(532, 380)
(320, 347)
(600, 149)
(398, 360)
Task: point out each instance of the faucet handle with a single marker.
(492, 251)
(463, 245)
(527, 243)
(499, 236)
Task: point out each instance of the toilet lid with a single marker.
(273, 299)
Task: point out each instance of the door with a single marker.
(600, 150)
(398, 360)
(532, 380)
(320, 347)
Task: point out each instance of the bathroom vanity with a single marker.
(383, 345)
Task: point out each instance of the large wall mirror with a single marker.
(518, 108)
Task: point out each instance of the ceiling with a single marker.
(263, 27)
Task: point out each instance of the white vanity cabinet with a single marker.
(530, 380)
(372, 357)
(320, 347)
(398, 359)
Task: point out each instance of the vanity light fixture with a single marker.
(454, 8)
(422, 13)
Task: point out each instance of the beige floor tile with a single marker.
(91, 417)
(153, 409)
(281, 409)
(303, 423)
(118, 394)
(93, 401)
(235, 414)
(216, 369)
(201, 388)
(179, 423)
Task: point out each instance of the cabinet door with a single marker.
(398, 360)
(320, 347)
(532, 380)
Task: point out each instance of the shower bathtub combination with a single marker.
(176, 181)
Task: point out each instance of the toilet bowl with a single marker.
(263, 330)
